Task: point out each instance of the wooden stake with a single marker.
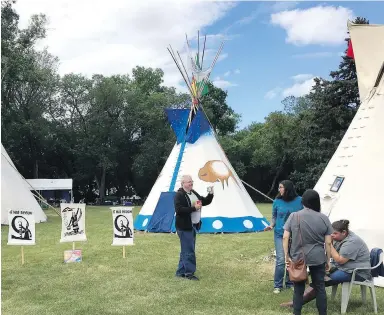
(73, 245)
(22, 255)
(123, 251)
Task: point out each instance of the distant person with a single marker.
(310, 230)
(287, 201)
(188, 205)
(348, 252)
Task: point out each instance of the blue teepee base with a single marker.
(162, 219)
(211, 225)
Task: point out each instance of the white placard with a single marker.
(21, 227)
(72, 222)
(122, 221)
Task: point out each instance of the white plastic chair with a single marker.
(346, 288)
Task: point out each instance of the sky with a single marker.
(271, 49)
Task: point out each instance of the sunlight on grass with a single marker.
(235, 277)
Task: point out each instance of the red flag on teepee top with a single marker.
(350, 50)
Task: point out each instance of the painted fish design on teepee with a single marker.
(216, 171)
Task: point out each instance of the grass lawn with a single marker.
(234, 277)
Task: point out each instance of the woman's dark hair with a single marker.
(341, 225)
(311, 200)
(289, 191)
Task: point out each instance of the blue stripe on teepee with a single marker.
(199, 126)
(177, 167)
(217, 224)
(178, 119)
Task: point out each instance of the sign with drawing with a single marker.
(21, 227)
(72, 222)
(122, 221)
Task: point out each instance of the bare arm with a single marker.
(328, 245)
(337, 257)
(273, 221)
(274, 215)
(286, 244)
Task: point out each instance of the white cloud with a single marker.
(237, 71)
(302, 86)
(262, 9)
(272, 93)
(222, 57)
(222, 84)
(301, 77)
(284, 5)
(321, 54)
(227, 74)
(321, 25)
(92, 37)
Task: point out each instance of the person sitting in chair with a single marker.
(348, 252)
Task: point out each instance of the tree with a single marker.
(223, 118)
(29, 86)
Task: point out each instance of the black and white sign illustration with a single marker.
(73, 222)
(122, 226)
(21, 227)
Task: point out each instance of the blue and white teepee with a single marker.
(198, 153)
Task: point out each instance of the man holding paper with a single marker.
(188, 204)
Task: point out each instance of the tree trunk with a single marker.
(36, 169)
(279, 170)
(102, 184)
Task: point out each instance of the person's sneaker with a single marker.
(276, 290)
(193, 277)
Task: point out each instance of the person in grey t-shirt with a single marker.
(348, 252)
(310, 230)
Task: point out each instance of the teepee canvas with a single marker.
(14, 193)
(352, 180)
(198, 153)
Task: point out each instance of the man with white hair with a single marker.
(188, 205)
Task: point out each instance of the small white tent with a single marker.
(14, 193)
(351, 184)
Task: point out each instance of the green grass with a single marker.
(234, 278)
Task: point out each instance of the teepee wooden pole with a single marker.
(178, 66)
(198, 46)
(186, 73)
(202, 58)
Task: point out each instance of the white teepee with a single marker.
(351, 184)
(198, 153)
(232, 209)
(14, 193)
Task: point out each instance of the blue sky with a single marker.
(268, 63)
(272, 49)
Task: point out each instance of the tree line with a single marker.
(110, 133)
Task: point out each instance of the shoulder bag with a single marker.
(298, 269)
